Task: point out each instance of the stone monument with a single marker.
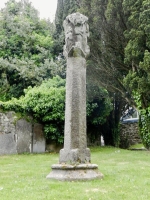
(74, 161)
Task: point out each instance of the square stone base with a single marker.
(81, 172)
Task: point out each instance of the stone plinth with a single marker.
(81, 172)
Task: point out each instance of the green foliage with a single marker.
(98, 105)
(107, 42)
(137, 33)
(137, 54)
(116, 136)
(25, 48)
(144, 126)
(106, 66)
(20, 74)
(144, 121)
(137, 50)
(46, 104)
(120, 48)
(64, 8)
(22, 33)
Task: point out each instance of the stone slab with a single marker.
(24, 132)
(7, 144)
(38, 139)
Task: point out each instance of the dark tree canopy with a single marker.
(120, 50)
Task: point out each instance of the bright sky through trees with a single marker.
(46, 8)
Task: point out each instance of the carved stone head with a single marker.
(76, 33)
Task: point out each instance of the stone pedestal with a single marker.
(81, 172)
(74, 161)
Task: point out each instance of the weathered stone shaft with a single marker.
(75, 143)
(75, 115)
(76, 49)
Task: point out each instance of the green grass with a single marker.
(126, 176)
(137, 146)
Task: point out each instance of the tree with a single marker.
(137, 50)
(106, 66)
(64, 8)
(107, 42)
(25, 48)
(137, 55)
(120, 50)
(99, 107)
(46, 104)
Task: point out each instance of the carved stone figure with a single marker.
(76, 33)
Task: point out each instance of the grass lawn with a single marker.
(126, 176)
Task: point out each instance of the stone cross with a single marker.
(74, 159)
(75, 50)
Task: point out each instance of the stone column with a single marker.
(75, 144)
(74, 160)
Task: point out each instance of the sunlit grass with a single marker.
(137, 146)
(126, 176)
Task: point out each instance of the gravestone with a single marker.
(24, 132)
(74, 159)
(38, 139)
(7, 133)
(20, 135)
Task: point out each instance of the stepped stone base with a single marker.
(81, 172)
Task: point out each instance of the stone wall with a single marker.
(20, 136)
(129, 134)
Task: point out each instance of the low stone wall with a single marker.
(129, 134)
(20, 136)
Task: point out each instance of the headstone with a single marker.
(20, 135)
(7, 133)
(74, 161)
(24, 132)
(38, 139)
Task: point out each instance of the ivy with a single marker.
(46, 103)
(144, 121)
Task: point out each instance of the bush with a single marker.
(46, 104)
